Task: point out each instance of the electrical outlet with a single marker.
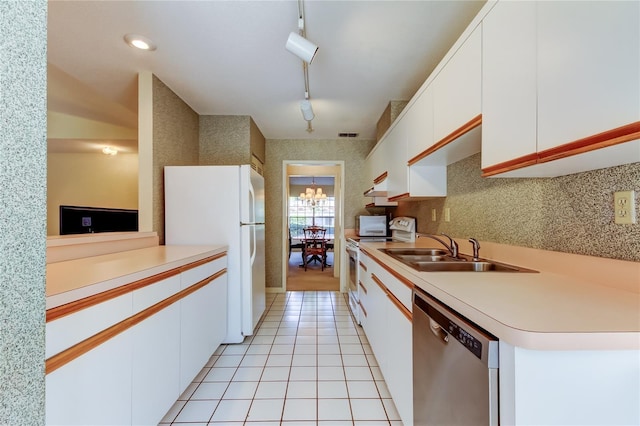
(433, 215)
(624, 206)
(447, 214)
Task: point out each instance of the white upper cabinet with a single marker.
(457, 89)
(561, 87)
(396, 159)
(509, 123)
(419, 119)
(588, 68)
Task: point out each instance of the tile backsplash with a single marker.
(572, 214)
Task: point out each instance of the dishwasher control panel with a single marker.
(463, 336)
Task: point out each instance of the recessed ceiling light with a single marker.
(139, 42)
(109, 150)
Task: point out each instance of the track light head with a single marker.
(307, 110)
(301, 47)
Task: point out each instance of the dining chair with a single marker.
(299, 245)
(314, 246)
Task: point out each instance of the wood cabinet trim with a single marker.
(507, 166)
(79, 349)
(395, 274)
(398, 304)
(78, 305)
(604, 139)
(364, 311)
(202, 261)
(393, 298)
(380, 283)
(399, 196)
(380, 178)
(465, 128)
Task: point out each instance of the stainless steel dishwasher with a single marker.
(455, 367)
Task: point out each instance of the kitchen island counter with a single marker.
(76, 279)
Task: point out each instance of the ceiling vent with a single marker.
(347, 135)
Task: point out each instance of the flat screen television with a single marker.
(87, 220)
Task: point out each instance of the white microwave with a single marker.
(372, 226)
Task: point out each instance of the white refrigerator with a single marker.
(223, 205)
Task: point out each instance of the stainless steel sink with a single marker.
(414, 252)
(436, 260)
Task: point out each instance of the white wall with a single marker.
(93, 180)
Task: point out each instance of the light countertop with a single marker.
(75, 279)
(544, 310)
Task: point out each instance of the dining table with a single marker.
(329, 244)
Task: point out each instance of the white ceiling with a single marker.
(228, 58)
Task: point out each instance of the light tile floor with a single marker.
(308, 364)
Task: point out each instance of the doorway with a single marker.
(324, 211)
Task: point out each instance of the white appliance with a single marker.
(403, 229)
(372, 226)
(223, 205)
(353, 277)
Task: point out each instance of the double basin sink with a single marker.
(437, 260)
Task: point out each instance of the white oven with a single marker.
(353, 276)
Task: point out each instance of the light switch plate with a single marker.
(624, 205)
(447, 214)
(433, 215)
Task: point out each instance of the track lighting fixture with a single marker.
(301, 47)
(305, 50)
(307, 110)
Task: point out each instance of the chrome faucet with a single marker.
(476, 248)
(452, 246)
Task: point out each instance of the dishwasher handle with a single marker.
(438, 331)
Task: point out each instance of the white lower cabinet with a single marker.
(135, 376)
(388, 328)
(202, 327)
(95, 388)
(399, 367)
(156, 359)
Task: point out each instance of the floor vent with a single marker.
(347, 135)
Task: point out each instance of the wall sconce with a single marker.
(301, 47)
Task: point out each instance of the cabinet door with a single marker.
(400, 366)
(377, 323)
(396, 159)
(457, 88)
(156, 354)
(378, 164)
(509, 124)
(202, 317)
(588, 68)
(419, 119)
(95, 388)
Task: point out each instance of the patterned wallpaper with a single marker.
(23, 211)
(175, 143)
(225, 139)
(572, 214)
(352, 152)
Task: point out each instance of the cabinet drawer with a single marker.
(68, 330)
(193, 275)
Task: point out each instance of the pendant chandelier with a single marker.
(313, 196)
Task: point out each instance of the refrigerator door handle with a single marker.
(252, 218)
(251, 223)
